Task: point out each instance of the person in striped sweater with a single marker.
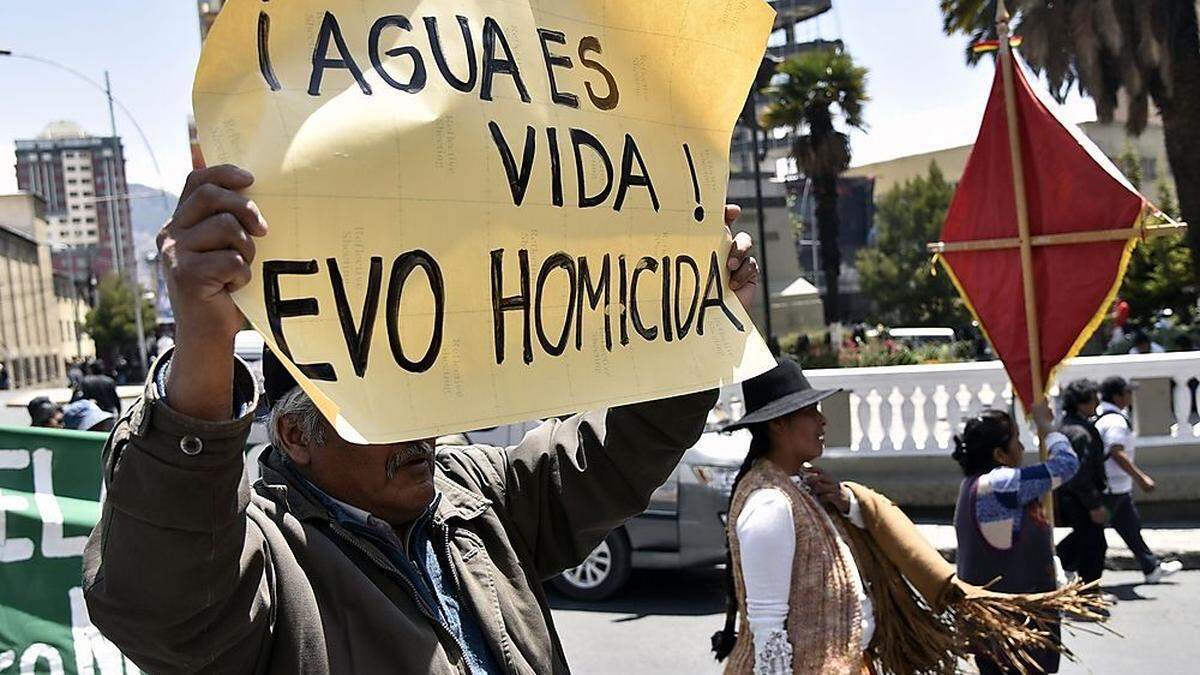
(1003, 533)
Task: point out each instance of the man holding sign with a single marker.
(344, 558)
(481, 212)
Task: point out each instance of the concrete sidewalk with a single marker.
(1167, 543)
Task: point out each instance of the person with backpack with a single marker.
(1116, 430)
(1081, 501)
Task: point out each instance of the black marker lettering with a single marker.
(493, 35)
(629, 178)
(556, 183)
(580, 138)
(279, 309)
(624, 293)
(646, 263)
(401, 269)
(264, 54)
(439, 55)
(562, 261)
(415, 83)
(666, 299)
(321, 60)
(714, 284)
(518, 180)
(683, 326)
(591, 294)
(502, 304)
(547, 36)
(358, 338)
(591, 44)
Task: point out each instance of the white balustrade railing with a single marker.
(918, 409)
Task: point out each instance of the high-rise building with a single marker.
(82, 179)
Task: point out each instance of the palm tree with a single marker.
(811, 91)
(1143, 52)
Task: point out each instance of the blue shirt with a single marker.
(429, 570)
(1004, 493)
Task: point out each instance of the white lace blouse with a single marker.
(767, 536)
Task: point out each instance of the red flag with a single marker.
(1070, 187)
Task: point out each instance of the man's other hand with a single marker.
(743, 268)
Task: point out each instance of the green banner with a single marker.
(50, 493)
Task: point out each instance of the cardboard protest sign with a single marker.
(485, 211)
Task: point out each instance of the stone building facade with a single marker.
(31, 338)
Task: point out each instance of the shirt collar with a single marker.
(1106, 406)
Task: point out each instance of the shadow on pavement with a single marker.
(658, 592)
(1129, 591)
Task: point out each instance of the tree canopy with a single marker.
(896, 273)
(111, 322)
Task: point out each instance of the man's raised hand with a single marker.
(743, 268)
(206, 250)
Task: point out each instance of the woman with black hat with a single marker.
(832, 577)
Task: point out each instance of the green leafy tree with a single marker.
(895, 272)
(1160, 274)
(815, 89)
(1133, 52)
(111, 322)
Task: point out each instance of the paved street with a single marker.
(662, 624)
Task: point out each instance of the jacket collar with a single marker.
(289, 490)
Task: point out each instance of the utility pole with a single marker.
(115, 232)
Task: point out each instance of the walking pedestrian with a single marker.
(100, 388)
(5, 383)
(1081, 501)
(1003, 533)
(1122, 471)
(832, 578)
(343, 558)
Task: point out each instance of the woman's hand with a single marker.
(827, 489)
(1043, 418)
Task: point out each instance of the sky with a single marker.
(923, 95)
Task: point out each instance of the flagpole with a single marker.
(1022, 206)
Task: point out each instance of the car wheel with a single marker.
(602, 573)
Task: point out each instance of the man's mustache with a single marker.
(418, 450)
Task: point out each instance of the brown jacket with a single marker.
(190, 569)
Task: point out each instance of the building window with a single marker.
(91, 232)
(70, 167)
(77, 220)
(89, 219)
(74, 194)
(85, 180)
(71, 181)
(47, 156)
(108, 152)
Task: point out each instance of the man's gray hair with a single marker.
(297, 405)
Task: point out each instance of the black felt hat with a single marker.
(277, 381)
(777, 392)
